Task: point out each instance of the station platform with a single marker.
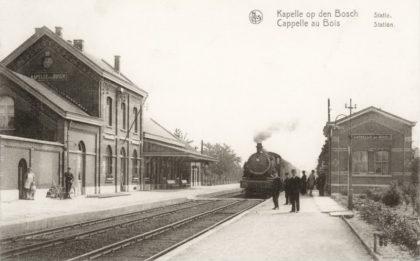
(24, 216)
(266, 234)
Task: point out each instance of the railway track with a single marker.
(11, 239)
(69, 243)
(36, 241)
(234, 194)
(4, 241)
(155, 243)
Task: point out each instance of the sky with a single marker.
(220, 78)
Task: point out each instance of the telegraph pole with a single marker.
(350, 178)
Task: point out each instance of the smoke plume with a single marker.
(276, 127)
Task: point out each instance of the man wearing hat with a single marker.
(68, 180)
(276, 190)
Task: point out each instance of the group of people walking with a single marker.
(294, 186)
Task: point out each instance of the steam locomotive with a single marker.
(259, 172)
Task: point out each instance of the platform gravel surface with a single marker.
(266, 234)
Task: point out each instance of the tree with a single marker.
(228, 165)
(414, 184)
(183, 137)
(323, 157)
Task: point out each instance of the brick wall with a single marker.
(371, 132)
(43, 157)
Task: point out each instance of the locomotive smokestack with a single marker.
(259, 147)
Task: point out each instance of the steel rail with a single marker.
(129, 241)
(167, 250)
(12, 239)
(61, 240)
(225, 195)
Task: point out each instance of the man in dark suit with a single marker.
(303, 183)
(276, 191)
(294, 186)
(68, 181)
(286, 188)
(320, 184)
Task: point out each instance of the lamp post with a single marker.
(350, 178)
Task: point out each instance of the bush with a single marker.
(392, 196)
(375, 194)
(369, 210)
(399, 228)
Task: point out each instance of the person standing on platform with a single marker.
(294, 190)
(30, 185)
(303, 183)
(286, 188)
(276, 191)
(311, 182)
(68, 180)
(321, 183)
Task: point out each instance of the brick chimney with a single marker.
(78, 43)
(37, 30)
(59, 31)
(117, 63)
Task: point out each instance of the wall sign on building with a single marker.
(372, 137)
(49, 76)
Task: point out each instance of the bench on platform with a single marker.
(171, 183)
(184, 182)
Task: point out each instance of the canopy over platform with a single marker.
(159, 142)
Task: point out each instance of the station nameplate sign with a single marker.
(49, 76)
(372, 137)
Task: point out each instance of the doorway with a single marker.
(81, 168)
(22, 169)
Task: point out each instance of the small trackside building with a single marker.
(168, 159)
(381, 149)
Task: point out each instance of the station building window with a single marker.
(381, 162)
(135, 164)
(108, 163)
(109, 110)
(136, 127)
(123, 166)
(124, 115)
(360, 162)
(7, 113)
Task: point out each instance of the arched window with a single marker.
(135, 166)
(124, 115)
(108, 163)
(136, 126)
(7, 113)
(123, 158)
(109, 110)
(81, 166)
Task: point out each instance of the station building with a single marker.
(62, 107)
(381, 149)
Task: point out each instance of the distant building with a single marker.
(381, 150)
